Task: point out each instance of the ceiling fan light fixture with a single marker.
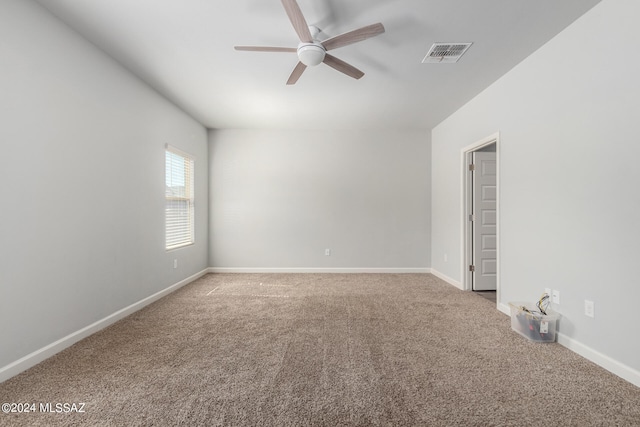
(311, 54)
(311, 51)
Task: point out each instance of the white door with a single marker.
(484, 271)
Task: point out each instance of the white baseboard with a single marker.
(317, 270)
(504, 308)
(46, 352)
(623, 371)
(447, 279)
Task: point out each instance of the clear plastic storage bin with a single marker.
(532, 324)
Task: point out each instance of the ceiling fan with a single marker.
(311, 51)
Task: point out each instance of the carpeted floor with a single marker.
(489, 295)
(320, 349)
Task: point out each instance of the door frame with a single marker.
(466, 192)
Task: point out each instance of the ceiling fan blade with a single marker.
(342, 66)
(297, 72)
(353, 36)
(297, 19)
(266, 49)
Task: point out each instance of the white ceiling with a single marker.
(184, 49)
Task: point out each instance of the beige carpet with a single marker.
(320, 349)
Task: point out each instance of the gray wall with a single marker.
(82, 176)
(279, 198)
(568, 120)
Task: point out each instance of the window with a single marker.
(179, 215)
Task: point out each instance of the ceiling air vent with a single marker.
(445, 52)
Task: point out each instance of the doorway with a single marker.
(480, 217)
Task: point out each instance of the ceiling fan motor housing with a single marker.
(311, 54)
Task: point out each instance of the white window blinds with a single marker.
(179, 211)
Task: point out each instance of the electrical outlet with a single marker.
(589, 308)
(327, 252)
(175, 263)
(446, 258)
(555, 296)
(547, 291)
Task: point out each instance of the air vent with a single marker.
(445, 52)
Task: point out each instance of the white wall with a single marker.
(279, 198)
(568, 120)
(82, 178)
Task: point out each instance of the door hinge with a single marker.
(472, 268)
(472, 217)
(472, 167)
